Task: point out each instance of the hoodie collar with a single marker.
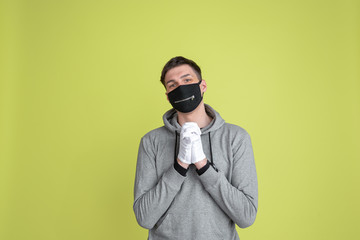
(171, 123)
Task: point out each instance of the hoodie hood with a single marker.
(171, 123)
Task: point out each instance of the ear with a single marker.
(167, 97)
(203, 86)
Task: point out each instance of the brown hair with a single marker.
(177, 61)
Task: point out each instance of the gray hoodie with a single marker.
(196, 207)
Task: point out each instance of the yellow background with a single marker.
(80, 87)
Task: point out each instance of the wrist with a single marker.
(203, 169)
(201, 163)
(182, 164)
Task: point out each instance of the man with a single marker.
(195, 176)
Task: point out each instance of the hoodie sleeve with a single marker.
(153, 194)
(238, 198)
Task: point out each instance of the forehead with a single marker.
(177, 72)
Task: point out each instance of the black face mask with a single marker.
(185, 98)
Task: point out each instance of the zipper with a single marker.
(189, 98)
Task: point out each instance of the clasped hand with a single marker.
(190, 150)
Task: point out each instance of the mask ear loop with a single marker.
(200, 88)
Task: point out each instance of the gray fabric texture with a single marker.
(196, 207)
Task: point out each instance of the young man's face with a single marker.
(182, 75)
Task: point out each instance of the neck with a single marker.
(198, 115)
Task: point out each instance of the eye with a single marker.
(187, 80)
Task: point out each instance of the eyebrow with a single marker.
(186, 75)
(169, 81)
